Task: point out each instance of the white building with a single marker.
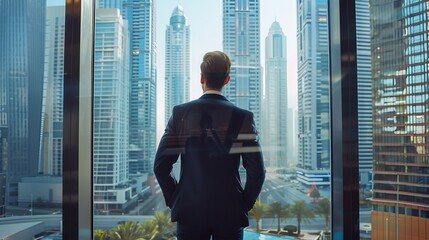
(274, 111)
(111, 112)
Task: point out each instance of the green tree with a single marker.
(301, 213)
(258, 211)
(127, 231)
(150, 229)
(101, 235)
(278, 211)
(323, 209)
(166, 229)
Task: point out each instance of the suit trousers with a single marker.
(189, 232)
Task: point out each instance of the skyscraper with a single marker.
(141, 18)
(274, 112)
(52, 117)
(363, 40)
(22, 24)
(111, 116)
(142, 27)
(313, 93)
(177, 61)
(400, 58)
(241, 36)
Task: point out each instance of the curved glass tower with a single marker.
(177, 61)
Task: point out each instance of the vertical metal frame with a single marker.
(344, 120)
(77, 129)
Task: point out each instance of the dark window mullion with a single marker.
(344, 120)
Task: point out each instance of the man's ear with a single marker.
(227, 80)
(202, 79)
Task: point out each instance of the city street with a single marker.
(276, 189)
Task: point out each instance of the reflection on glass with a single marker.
(399, 55)
(31, 116)
(295, 134)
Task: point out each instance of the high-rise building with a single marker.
(22, 27)
(177, 61)
(314, 155)
(52, 117)
(3, 168)
(142, 27)
(141, 18)
(275, 105)
(363, 41)
(241, 36)
(400, 59)
(111, 116)
(292, 136)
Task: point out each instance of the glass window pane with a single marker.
(31, 116)
(398, 189)
(147, 60)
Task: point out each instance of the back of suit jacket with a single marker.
(211, 135)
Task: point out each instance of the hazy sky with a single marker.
(205, 20)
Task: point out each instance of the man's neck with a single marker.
(212, 91)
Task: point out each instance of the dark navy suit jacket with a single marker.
(211, 135)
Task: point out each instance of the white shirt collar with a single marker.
(213, 92)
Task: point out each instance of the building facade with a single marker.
(177, 61)
(52, 104)
(314, 155)
(275, 105)
(22, 24)
(241, 41)
(363, 40)
(400, 54)
(141, 18)
(111, 105)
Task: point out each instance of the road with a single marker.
(276, 189)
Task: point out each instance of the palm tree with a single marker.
(302, 213)
(101, 235)
(278, 211)
(323, 209)
(150, 229)
(166, 229)
(258, 211)
(127, 231)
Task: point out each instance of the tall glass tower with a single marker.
(142, 27)
(52, 118)
(363, 40)
(241, 36)
(177, 61)
(274, 111)
(111, 100)
(400, 59)
(22, 24)
(313, 93)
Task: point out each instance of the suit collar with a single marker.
(213, 96)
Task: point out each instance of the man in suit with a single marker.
(211, 135)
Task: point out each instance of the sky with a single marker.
(205, 20)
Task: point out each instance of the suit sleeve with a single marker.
(253, 163)
(166, 155)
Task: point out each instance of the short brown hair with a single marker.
(215, 69)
